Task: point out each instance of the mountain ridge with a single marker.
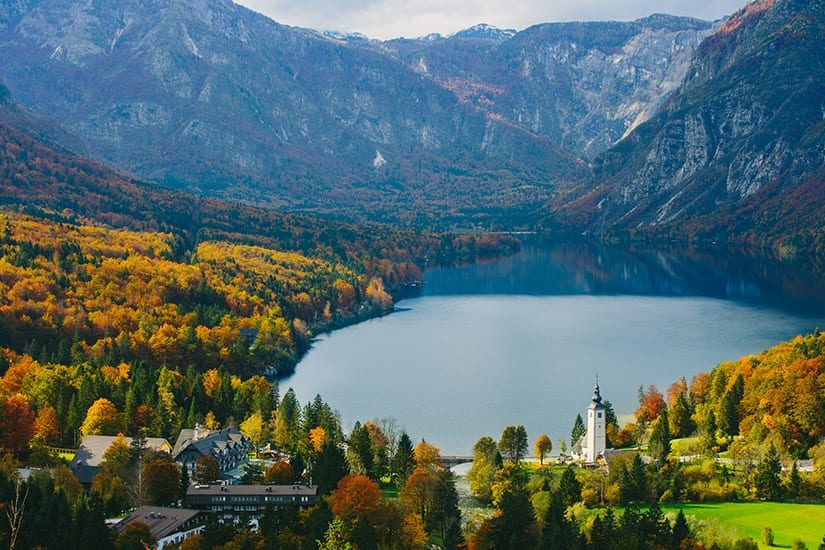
(745, 126)
(324, 125)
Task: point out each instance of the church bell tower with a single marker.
(595, 438)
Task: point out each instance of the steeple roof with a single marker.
(596, 400)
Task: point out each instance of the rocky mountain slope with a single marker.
(740, 149)
(582, 84)
(476, 129)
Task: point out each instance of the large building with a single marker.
(593, 443)
(232, 501)
(168, 525)
(228, 446)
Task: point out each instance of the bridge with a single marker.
(454, 460)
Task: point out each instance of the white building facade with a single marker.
(594, 442)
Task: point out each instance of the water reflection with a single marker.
(519, 341)
(590, 268)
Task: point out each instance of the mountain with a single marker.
(483, 31)
(583, 85)
(477, 129)
(738, 152)
(216, 99)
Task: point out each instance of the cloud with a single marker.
(411, 18)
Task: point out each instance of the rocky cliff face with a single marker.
(583, 85)
(213, 98)
(748, 120)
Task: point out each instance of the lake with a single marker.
(521, 340)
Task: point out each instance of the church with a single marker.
(592, 445)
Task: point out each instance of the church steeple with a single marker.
(597, 397)
(595, 439)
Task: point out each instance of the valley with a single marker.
(209, 220)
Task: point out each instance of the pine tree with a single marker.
(90, 525)
(559, 531)
(766, 479)
(794, 482)
(184, 481)
(330, 466)
(444, 514)
(403, 461)
(681, 530)
(578, 429)
(659, 444)
(570, 488)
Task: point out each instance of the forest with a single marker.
(130, 309)
(105, 333)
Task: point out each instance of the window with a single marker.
(600, 415)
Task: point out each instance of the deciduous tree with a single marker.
(317, 438)
(651, 405)
(427, 454)
(483, 470)
(417, 494)
(102, 418)
(279, 473)
(255, 429)
(136, 536)
(513, 444)
(17, 423)
(356, 501)
(207, 470)
(543, 447)
(161, 479)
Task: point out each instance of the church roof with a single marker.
(596, 400)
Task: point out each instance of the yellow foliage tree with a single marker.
(102, 418)
(255, 429)
(210, 422)
(211, 383)
(426, 454)
(317, 438)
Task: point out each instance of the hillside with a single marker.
(218, 100)
(582, 84)
(40, 177)
(477, 129)
(773, 396)
(71, 223)
(738, 152)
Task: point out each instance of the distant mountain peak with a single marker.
(485, 32)
(346, 36)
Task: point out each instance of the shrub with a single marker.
(767, 536)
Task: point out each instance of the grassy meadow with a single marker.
(747, 519)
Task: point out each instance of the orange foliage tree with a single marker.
(356, 498)
(17, 422)
(651, 405)
(280, 473)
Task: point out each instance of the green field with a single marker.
(747, 519)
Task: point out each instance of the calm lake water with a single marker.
(521, 340)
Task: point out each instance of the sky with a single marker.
(386, 19)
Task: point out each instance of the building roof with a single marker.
(91, 449)
(252, 490)
(89, 454)
(205, 442)
(596, 400)
(162, 521)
